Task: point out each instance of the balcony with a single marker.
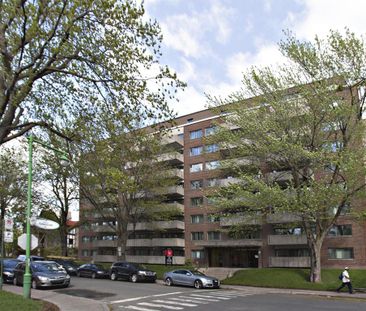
(280, 176)
(178, 173)
(289, 262)
(105, 258)
(177, 260)
(172, 158)
(177, 191)
(104, 228)
(172, 242)
(157, 225)
(139, 243)
(287, 240)
(104, 243)
(228, 181)
(247, 220)
(229, 243)
(280, 218)
(173, 141)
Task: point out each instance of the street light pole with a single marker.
(27, 280)
(27, 275)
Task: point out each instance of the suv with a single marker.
(44, 274)
(131, 271)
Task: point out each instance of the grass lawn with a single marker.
(13, 302)
(294, 278)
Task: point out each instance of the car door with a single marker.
(83, 270)
(178, 277)
(20, 270)
(187, 277)
(125, 270)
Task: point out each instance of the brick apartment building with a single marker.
(205, 241)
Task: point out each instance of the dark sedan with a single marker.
(70, 266)
(132, 272)
(44, 274)
(93, 271)
(8, 268)
(190, 278)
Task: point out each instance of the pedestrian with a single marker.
(346, 281)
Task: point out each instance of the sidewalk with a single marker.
(64, 302)
(72, 303)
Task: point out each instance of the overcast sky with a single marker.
(209, 43)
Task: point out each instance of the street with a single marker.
(121, 295)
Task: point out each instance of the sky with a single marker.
(210, 43)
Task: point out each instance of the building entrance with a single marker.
(233, 257)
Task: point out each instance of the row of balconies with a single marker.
(143, 226)
(258, 219)
(155, 242)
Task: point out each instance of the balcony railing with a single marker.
(172, 242)
(247, 220)
(173, 158)
(156, 225)
(229, 243)
(287, 240)
(104, 243)
(289, 262)
(282, 218)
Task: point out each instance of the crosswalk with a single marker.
(181, 301)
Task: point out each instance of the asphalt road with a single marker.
(123, 295)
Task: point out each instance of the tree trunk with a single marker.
(122, 236)
(315, 262)
(63, 241)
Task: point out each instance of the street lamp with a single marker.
(63, 156)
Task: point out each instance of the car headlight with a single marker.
(67, 276)
(100, 272)
(43, 279)
(71, 268)
(141, 272)
(7, 273)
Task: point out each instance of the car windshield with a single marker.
(10, 263)
(139, 267)
(47, 267)
(197, 273)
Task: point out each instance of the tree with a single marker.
(122, 178)
(63, 59)
(301, 136)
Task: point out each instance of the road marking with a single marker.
(149, 304)
(189, 300)
(198, 298)
(143, 297)
(210, 297)
(176, 303)
(137, 308)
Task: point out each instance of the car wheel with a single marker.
(113, 276)
(66, 285)
(168, 282)
(133, 278)
(93, 275)
(34, 284)
(198, 284)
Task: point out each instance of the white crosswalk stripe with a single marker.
(176, 303)
(209, 297)
(149, 304)
(189, 300)
(200, 298)
(137, 308)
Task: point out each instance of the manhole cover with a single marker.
(86, 293)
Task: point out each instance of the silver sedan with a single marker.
(190, 278)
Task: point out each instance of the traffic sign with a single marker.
(46, 224)
(8, 236)
(22, 241)
(9, 223)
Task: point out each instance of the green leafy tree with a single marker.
(122, 177)
(61, 59)
(300, 137)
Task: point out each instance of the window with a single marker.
(190, 120)
(210, 130)
(196, 236)
(213, 218)
(213, 182)
(340, 253)
(213, 235)
(196, 201)
(196, 184)
(197, 254)
(85, 253)
(194, 168)
(195, 151)
(212, 148)
(195, 134)
(196, 219)
(340, 230)
(212, 165)
(211, 200)
(85, 239)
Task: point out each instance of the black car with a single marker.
(131, 271)
(44, 274)
(9, 265)
(92, 270)
(70, 266)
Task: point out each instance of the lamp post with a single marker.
(27, 275)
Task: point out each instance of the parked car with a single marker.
(32, 258)
(131, 271)
(92, 270)
(69, 265)
(44, 274)
(190, 278)
(9, 265)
